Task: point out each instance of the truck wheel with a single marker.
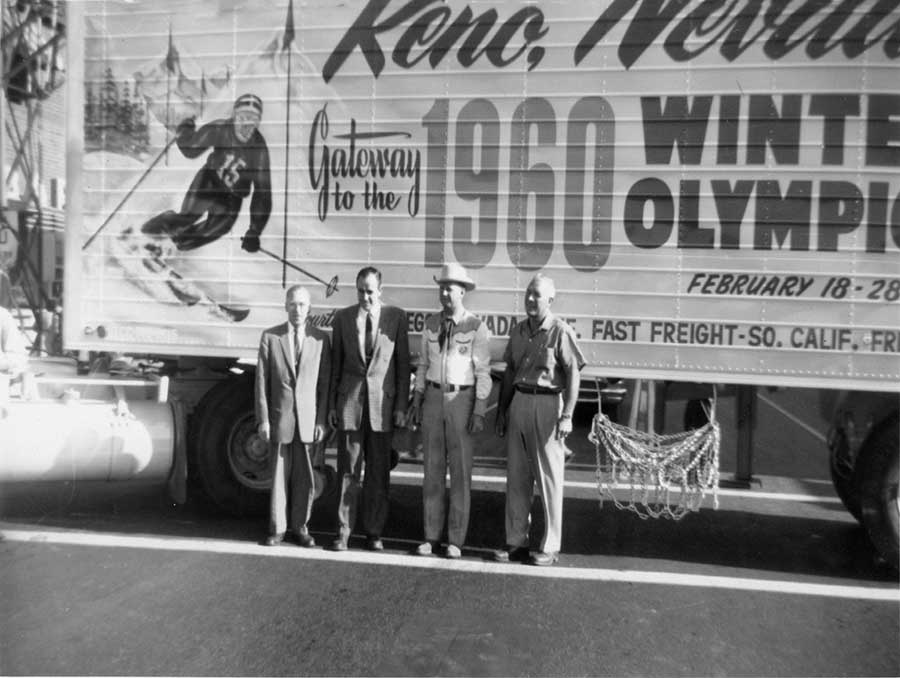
(878, 470)
(841, 464)
(230, 458)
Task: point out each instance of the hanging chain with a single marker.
(668, 475)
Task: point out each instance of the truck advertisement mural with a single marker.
(713, 185)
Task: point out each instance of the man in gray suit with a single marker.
(292, 378)
(370, 392)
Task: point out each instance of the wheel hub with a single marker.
(248, 455)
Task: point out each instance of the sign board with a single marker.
(713, 186)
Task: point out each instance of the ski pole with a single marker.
(128, 195)
(330, 287)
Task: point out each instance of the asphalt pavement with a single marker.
(779, 580)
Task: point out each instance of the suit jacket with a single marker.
(387, 377)
(289, 400)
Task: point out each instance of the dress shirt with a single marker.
(542, 359)
(361, 326)
(297, 334)
(465, 359)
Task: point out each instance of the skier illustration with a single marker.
(237, 165)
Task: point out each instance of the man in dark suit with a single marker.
(370, 392)
(292, 378)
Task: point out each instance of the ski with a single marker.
(152, 259)
(184, 291)
(232, 313)
(190, 294)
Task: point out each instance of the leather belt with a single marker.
(449, 388)
(537, 390)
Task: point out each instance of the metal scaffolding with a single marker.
(33, 69)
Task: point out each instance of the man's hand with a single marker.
(563, 427)
(265, 432)
(250, 242)
(476, 423)
(318, 433)
(332, 419)
(318, 456)
(500, 424)
(414, 418)
(399, 419)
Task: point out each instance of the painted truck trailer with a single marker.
(713, 185)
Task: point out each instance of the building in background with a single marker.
(33, 156)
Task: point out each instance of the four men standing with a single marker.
(364, 385)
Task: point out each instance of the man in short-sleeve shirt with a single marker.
(537, 398)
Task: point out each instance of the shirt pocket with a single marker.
(463, 348)
(547, 359)
(462, 343)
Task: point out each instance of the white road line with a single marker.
(723, 491)
(806, 427)
(874, 593)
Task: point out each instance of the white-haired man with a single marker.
(537, 399)
(292, 381)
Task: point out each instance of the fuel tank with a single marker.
(69, 437)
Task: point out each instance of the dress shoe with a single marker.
(453, 552)
(374, 544)
(424, 549)
(518, 554)
(304, 540)
(543, 558)
(339, 544)
(274, 540)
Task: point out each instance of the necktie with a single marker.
(297, 349)
(446, 327)
(370, 338)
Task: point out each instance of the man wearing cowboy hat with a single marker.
(453, 382)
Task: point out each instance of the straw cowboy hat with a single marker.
(455, 273)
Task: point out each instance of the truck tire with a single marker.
(843, 476)
(228, 455)
(878, 470)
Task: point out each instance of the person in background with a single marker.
(292, 379)
(369, 395)
(453, 383)
(537, 399)
(6, 298)
(13, 349)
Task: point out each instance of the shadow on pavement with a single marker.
(593, 536)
